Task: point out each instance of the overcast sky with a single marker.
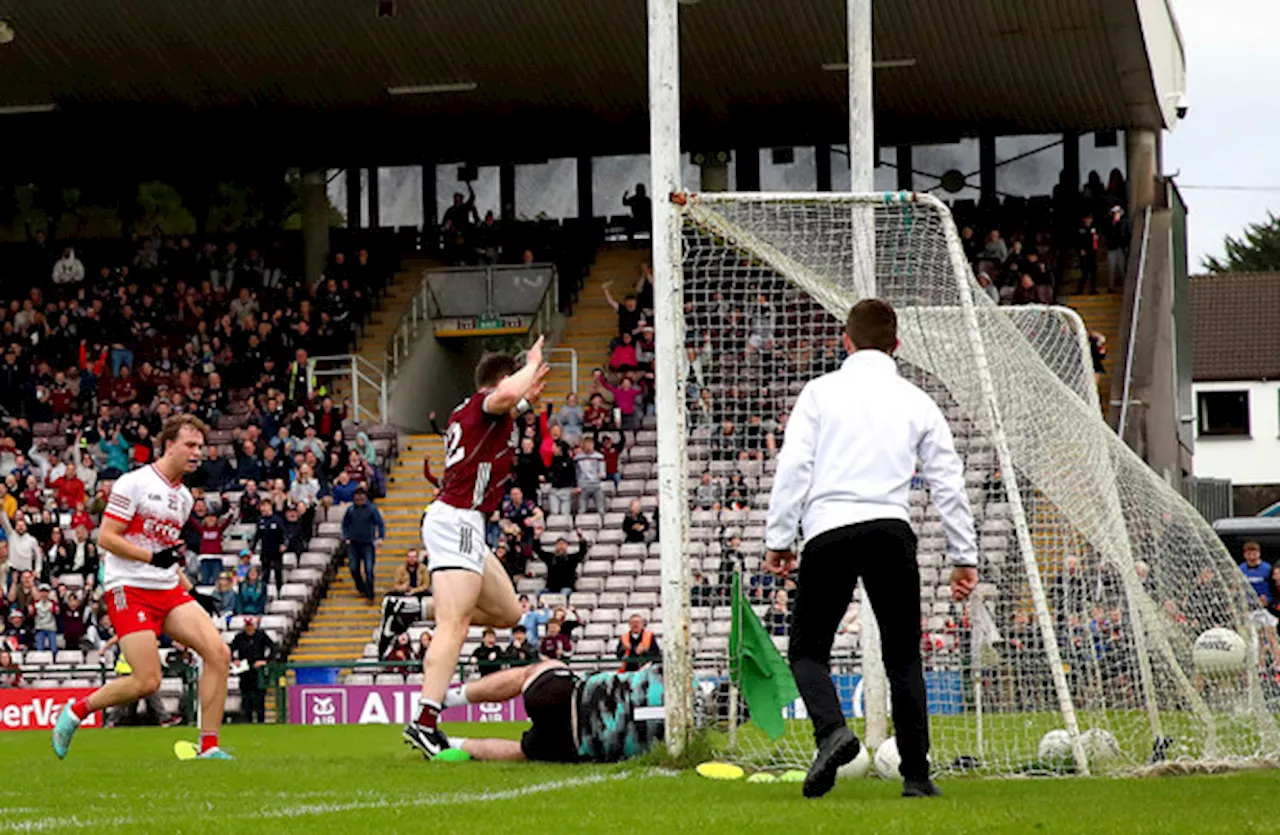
(1229, 135)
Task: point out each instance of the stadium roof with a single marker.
(1233, 327)
(544, 78)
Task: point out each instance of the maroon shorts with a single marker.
(134, 610)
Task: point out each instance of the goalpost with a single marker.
(1097, 577)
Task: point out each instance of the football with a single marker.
(1100, 746)
(859, 766)
(1219, 651)
(1054, 747)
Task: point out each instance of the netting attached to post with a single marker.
(1097, 575)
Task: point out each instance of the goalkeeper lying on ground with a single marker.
(603, 718)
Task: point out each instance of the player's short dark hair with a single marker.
(520, 629)
(1252, 546)
(174, 425)
(873, 324)
(492, 368)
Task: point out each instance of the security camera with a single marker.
(1182, 106)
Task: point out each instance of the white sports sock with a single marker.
(456, 697)
(457, 742)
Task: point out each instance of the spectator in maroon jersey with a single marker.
(211, 548)
(596, 417)
(123, 389)
(555, 644)
(612, 452)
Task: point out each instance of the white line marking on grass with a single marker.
(372, 802)
(454, 799)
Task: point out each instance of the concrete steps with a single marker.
(594, 323)
(344, 623)
(377, 334)
(1102, 313)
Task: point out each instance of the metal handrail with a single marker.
(1122, 424)
(360, 370)
(423, 307)
(571, 363)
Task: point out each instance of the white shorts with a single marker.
(454, 538)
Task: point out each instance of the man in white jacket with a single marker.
(855, 439)
(68, 269)
(25, 553)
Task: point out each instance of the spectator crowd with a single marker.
(97, 350)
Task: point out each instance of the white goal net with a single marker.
(1097, 576)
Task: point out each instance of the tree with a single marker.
(1256, 251)
(160, 207)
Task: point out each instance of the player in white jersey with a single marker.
(145, 591)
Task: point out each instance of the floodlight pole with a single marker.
(862, 166)
(668, 281)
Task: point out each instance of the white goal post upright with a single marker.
(664, 161)
(862, 166)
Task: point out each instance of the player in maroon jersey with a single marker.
(468, 583)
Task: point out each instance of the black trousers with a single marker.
(253, 705)
(273, 564)
(1088, 273)
(883, 553)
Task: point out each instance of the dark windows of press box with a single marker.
(1223, 413)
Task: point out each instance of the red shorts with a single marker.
(134, 610)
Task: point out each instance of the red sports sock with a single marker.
(429, 715)
(208, 740)
(80, 707)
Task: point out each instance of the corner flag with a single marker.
(757, 668)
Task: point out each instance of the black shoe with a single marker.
(920, 788)
(836, 750)
(430, 741)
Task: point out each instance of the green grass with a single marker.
(362, 779)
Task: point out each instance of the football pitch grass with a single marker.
(363, 779)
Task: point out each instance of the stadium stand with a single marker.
(1031, 251)
(218, 333)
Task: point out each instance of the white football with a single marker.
(859, 766)
(1055, 747)
(1100, 746)
(888, 759)
(1218, 651)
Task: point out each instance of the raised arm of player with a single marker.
(518, 386)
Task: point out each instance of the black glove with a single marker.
(169, 557)
(206, 602)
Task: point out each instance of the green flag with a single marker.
(757, 668)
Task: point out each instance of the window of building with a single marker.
(1223, 413)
